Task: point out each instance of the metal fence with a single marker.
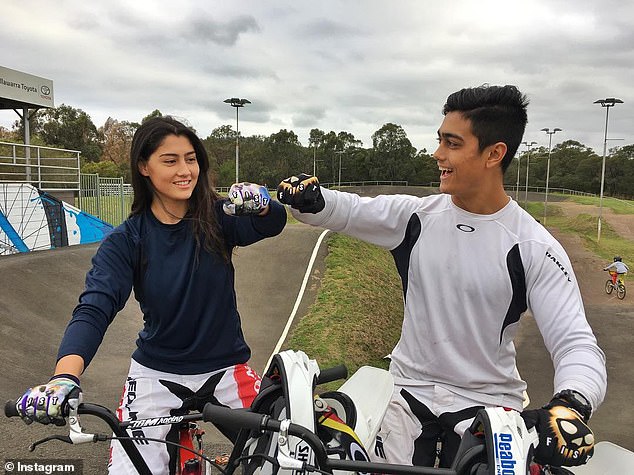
(109, 199)
(47, 168)
(365, 183)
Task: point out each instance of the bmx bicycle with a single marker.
(190, 459)
(280, 433)
(619, 286)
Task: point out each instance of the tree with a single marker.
(7, 135)
(283, 155)
(103, 169)
(151, 115)
(117, 140)
(220, 146)
(70, 128)
(393, 152)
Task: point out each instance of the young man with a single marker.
(456, 353)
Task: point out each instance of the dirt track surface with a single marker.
(38, 291)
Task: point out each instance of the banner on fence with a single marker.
(32, 220)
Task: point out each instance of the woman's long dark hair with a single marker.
(201, 212)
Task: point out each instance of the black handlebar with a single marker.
(10, 410)
(244, 419)
(239, 418)
(332, 374)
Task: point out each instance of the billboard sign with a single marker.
(18, 87)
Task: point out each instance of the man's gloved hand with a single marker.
(48, 403)
(246, 198)
(564, 438)
(301, 192)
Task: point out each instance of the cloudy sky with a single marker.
(330, 64)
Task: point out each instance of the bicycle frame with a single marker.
(187, 433)
(474, 450)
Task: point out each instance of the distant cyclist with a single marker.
(174, 251)
(617, 269)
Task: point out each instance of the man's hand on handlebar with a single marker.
(564, 438)
(48, 403)
(302, 193)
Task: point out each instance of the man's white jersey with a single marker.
(467, 279)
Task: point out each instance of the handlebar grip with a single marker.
(10, 410)
(332, 374)
(237, 418)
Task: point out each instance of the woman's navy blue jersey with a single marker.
(186, 294)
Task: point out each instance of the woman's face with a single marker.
(173, 171)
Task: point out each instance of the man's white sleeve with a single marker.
(556, 304)
(381, 220)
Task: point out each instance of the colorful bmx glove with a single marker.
(302, 193)
(246, 199)
(49, 403)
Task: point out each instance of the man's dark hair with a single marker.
(496, 113)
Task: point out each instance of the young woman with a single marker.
(175, 252)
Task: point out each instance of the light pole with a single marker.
(517, 183)
(339, 153)
(528, 162)
(607, 103)
(550, 143)
(237, 103)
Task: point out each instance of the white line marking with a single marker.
(298, 300)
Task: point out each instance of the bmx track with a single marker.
(39, 290)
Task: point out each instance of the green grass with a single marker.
(109, 209)
(616, 205)
(356, 319)
(585, 226)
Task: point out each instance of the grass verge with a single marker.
(585, 226)
(356, 318)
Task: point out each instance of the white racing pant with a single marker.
(418, 421)
(149, 393)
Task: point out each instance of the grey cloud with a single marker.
(207, 29)
(308, 117)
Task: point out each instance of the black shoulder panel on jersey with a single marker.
(403, 251)
(518, 282)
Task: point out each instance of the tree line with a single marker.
(335, 156)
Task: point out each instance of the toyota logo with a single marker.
(45, 90)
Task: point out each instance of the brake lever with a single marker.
(63, 438)
(76, 435)
(284, 456)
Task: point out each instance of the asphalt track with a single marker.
(38, 291)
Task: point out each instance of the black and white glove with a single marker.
(564, 438)
(302, 193)
(49, 403)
